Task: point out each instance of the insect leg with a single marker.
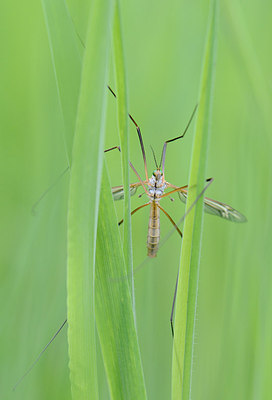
(176, 287)
(134, 211)
(37, 202)
(139, 135)
(172, 222)
(162, 163)
(177, 189)
(39, 356)
(189, 210)
(133, 168)
(173, 306)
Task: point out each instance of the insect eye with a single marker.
(154, 173)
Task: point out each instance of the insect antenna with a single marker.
(154, 157)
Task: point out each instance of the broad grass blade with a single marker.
(84, 197)
(113, 306)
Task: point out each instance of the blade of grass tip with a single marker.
(67, 64)
(113, 307)
(186, 300)
(83, 206)
(123, 134)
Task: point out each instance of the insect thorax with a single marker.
(156, 184)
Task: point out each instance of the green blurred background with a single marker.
(163, 45)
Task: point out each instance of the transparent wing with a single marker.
(118, 191)
(215, 207)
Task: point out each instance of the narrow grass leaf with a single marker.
(67, 63)
(113, 306)
(123, 134)
(84, 196)
(189, 269)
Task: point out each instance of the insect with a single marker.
(155, 187)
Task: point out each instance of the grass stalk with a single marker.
(84, 195)
(186, 301)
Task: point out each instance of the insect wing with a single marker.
(215, 207)
(118, 191)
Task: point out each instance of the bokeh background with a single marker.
(163, 45)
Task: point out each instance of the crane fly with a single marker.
(155, 187)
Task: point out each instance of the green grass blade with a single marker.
(84, 202)
(64, 50)
(113, 306)
(189, 269)
(123, 134)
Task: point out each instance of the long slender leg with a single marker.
(37, 202)
(115, 147)
(188, 211)
(172, 186)
(168, 216)
(139, 136)
(176, 286)
(138, 176)
(173, 306)
(162, 163)
(133, 168)
(177, 189)
(112, 148)
(183, 187)
(173, 191)
(134, 211)
(39, 356)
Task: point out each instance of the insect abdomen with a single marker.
(153, 236)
